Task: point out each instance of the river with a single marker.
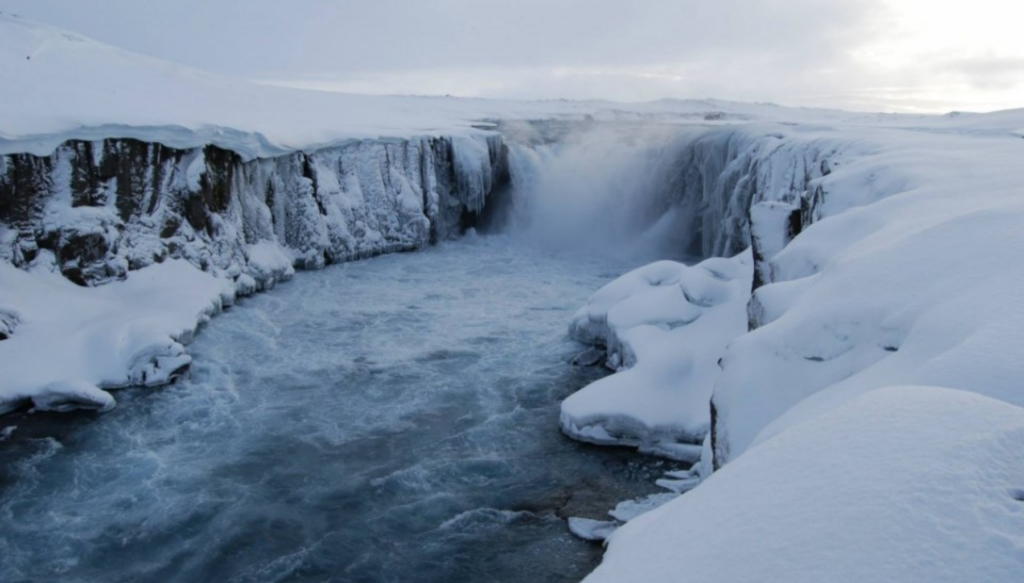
(394, 419)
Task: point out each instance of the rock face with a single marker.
(722, 175)
(103, 208)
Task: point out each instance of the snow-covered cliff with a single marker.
(665, 326)
(859, 407)
(102, 208)
(96, 211)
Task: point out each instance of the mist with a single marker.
(598, 188)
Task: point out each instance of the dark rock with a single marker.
(772, 226)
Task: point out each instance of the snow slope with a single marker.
(117, 93)
(70, 342)
(910, 276)
(900, 484)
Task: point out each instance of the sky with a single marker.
(867, 55)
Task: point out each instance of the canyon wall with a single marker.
(98, 209)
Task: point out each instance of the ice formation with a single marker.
(854, 253)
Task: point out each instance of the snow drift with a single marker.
(900, 484)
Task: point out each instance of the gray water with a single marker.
(386, 420)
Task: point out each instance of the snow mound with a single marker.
(664, 325)
(125, 333)
(64, 396)
(900, 484)
(629, 509)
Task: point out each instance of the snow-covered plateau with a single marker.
(841, 362)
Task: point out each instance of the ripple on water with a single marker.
(386, 420)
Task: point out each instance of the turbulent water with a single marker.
(386, 420)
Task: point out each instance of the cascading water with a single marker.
(609, 189)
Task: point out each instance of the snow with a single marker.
(590, 529)
(900, 484)
(914, 282)
(127, 333)
(905, 271)
(63, 396)
(122, 94)
(664, 326)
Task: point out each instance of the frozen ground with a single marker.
(385, 420)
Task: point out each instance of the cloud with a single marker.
(858, 54)
(271, 38)
(991, 72)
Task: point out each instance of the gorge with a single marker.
(828, 336)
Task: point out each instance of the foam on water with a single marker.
(386, 420)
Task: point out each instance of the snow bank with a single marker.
(73, 341)
(900, 484)
(910, 275)
(665, 326)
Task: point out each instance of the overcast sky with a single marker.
(887, 55)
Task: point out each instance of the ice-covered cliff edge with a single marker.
(102, 208)
(123, 209)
